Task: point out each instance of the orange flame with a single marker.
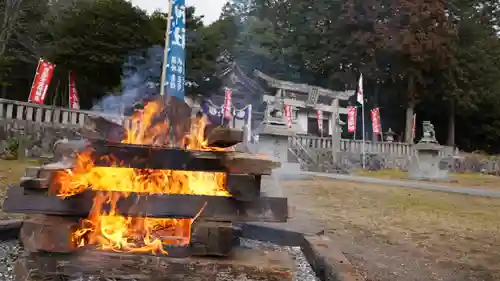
(110, 230)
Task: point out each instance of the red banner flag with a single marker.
(375, 114)
(227, 104)
(73, 93)
(41, 81)
(288, 115)
(319, 116)
(351, 119)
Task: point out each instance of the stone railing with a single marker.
(23, 111)
(356, 146)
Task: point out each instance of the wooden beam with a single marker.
(244, 187)
(241, 187)
(68, 148)
(49, 233)
(151, 157)
(42, 176)
(211, 238)
(247, 264)
(97, 127)
(156, 206)
(223, 137)
(54, 234)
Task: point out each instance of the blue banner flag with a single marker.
(176, 58)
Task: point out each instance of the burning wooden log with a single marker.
(150, 157)
(100, 128)
(241, 187)
(57, 234)
(42, 177)
(222, 136)
(265, 209)
(248, 264)
(68, 148)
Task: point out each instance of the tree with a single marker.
(95, 41)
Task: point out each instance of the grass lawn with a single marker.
(10, 172)
(454, 231)
(471, 180)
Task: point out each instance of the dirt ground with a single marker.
(392, 233)
(469, 180)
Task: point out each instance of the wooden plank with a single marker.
(243, 264)
(156, 206)
(49, 233)
(150, 157)
(223, 137)
(244, 187)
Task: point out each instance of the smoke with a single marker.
(140, 82)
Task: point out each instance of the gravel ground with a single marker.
(304, 271)
(9, 251)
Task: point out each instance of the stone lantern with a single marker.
(389, 135)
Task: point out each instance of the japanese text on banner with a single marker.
(319, 116)
(74, 103)
(351, 119)
(375, 115)
(41, 82)
(176, 54)
(228, 104)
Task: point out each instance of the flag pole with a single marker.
(361, 99)
(163, 81)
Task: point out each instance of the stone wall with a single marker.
(37, 138)
(322, 161)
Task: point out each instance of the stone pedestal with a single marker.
(425, 165)
(273, 142)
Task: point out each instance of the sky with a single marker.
(209, 8)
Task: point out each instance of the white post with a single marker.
(363, 132)
(249, 123)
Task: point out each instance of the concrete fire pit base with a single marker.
(317, 252)
(325, 258)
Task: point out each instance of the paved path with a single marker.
(407, 184)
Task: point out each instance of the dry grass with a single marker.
(470, 180)
(10, 172)
(456, 231)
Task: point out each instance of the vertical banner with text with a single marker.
(74, 102)
(319, 116)
(227, 108)
(176, 58)
(351, 119)
(375, 115)
(41, 81)
(288, 115)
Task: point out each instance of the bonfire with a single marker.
(107, 229)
